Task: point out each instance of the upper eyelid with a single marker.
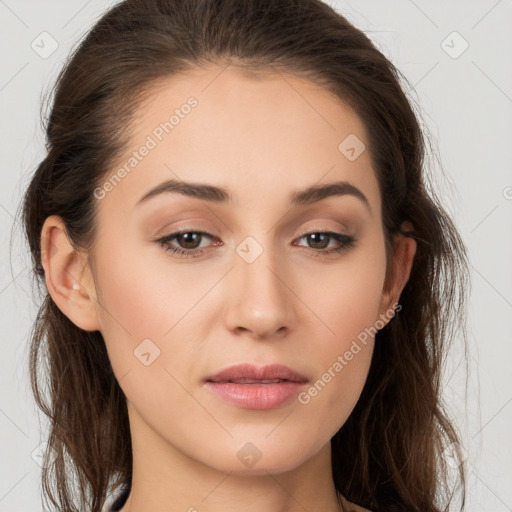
(311, 229)
(317, 229)
(304, 232)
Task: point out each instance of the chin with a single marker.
(260, 454)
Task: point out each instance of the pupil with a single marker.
(189, 244)
(319, 235)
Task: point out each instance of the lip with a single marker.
(256, 387)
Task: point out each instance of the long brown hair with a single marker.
(389, 453)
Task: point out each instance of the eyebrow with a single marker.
(207, 192)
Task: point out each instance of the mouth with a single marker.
(251, 387)
(254, 381)
(251, 374)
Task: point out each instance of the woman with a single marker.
(248, 288)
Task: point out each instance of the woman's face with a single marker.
(261, 287)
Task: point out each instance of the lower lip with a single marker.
(256, 396)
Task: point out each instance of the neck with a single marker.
(165, 478)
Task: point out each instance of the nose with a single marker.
(260, 294)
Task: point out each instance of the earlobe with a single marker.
(68, 276)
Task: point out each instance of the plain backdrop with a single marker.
(457, 58)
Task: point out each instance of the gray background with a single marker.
(466, 102)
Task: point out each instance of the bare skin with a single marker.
(263, 139)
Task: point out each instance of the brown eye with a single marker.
(319, 241)
(189, 240)
(186, 243)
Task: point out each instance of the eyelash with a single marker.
(347, 242)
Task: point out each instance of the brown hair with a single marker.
(389, 453)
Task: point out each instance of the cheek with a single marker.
(347, 299)
(144, 325)
(142, 293)
(132, 308)
(347, 306)
(151, 307)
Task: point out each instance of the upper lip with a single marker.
(257, 373)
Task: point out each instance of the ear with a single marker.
(68, 276)
(399, 270)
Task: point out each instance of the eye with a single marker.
(320, 240)
(190, 242)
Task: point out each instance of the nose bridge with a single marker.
(259, 297)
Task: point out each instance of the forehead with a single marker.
(273, 131)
